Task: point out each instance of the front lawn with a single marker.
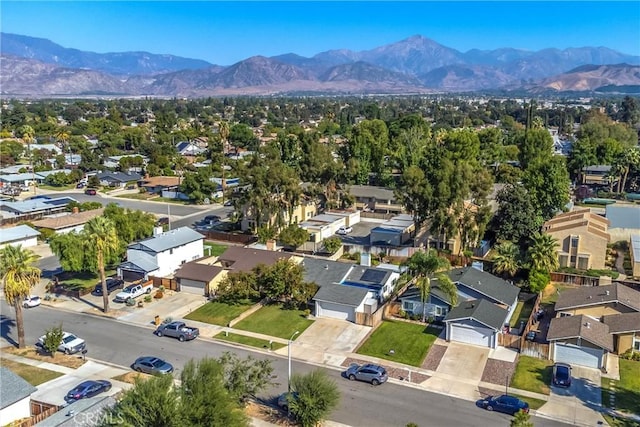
(214, 249)
(218, 313)
(532, 375)
(81, 280)
(533, 402)
(401, 342)
(31, 374)
(627, 389)
(275, 321)
(551, 292)
(251, 341)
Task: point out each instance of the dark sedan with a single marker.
(562, 375)
(152, 365)
(507, 404)
(112, 285)
(87, 389)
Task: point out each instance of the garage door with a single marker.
(576, 355)
(471, 335)
(192, 287)
(131, 276)
(335, 311)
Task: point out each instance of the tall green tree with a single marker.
(547, 183)
(506, 259)
(19, 275)
(422, 265)
(101, 234)
(516, 219)
(542, 253)
(316, 396)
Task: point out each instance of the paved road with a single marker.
(361, 404)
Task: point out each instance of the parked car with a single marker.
(507, 404)
(113, 283)
(285, 399)
(344, 230)
(31, 301)
(87, 389)
(211, 219)
(228, 203)
(80, 185)
(133, 291)
(531, 336)
(178, 330)
(163, 221)
(152, 365)
(562, 375)
(90, 191)
(374, 374)
(70, 343)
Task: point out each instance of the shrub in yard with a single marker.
(147, 298)
(631, 355)
(158, 295)
(52, 340)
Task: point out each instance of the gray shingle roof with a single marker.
(13, 388)
(119, 176)
(623, 216)
(597, 295)
(341, 294)
(625, 322)
(480, 310)
(168, 240)
(196, 271)
(379, 193)
(582, 327)
(86, 412)
(485, 283)
(16, 233)
(323, 272)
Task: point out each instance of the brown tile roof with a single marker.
(200, 272)
(161, 181)
(66, 221)
(580, 218)
(626, 322)
(597, 295)
(582, 327)
(237, 258)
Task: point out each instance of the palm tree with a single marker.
(449, 288)
(505, 261)
(422, 265)
(542, 253)
(101, 234)
(18, 277)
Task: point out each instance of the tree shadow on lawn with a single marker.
(6, 325)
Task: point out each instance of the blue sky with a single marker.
(226, 32)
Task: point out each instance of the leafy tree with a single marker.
(422, 265)
(506, 259)
(332, 244)
(53, 339)
(538, 280)
(515, 220)
(521, 419)
(415, 194)
(18, 275)
(316, 396)
(542, 253)
(547, 183)
(245, 378)
(100, 233)
(152, 402)
(70, 250)
(446, 285)
(293, 236)
(238, 287)
(535, 145)
(205, 398)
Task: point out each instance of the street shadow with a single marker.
(6, 325)
(89, 303)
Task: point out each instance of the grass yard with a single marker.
(275, 321)
(627, 389)
(69, 360)
(410, 342)
(31, 374)
(532, 401)
(214, 249)
(218, 313)
(250, 341)
(619, 422)
(550, 293)
(81, 280)
(131, 377)
(532, 375)
(522, 312)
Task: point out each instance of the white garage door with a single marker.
(192, 287)
(335, 311)
(576, 355)
(471, 335)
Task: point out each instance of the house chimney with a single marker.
(271, 245)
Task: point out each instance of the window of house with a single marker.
(407, 306)
(573, 259)
(565, 314)
(170, 251)
(441, 311)
(574, 241)
(636, 343)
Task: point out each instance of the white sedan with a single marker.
(344, 230)
(31, 301)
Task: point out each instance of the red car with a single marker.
(90, 191)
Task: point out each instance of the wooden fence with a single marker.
(39, 412)
(171, 284)
(373, 319)
(509, 341)
(244, 239)
(534, 349)
(575, 279)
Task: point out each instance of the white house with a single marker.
(15, 397)
(162, 254)
(19, 235)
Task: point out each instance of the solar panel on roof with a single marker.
(373, 275)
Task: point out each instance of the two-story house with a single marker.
(592, 321)
(375, 199)
(161, 254)
(582, 237)
(485, 305)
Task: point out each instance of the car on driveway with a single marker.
(374, 374)
(113, 283)
(562, 375)
(344, 230)
(152, 365)
(531, 336)
(87, 389)
(507, 404)
(31, 301)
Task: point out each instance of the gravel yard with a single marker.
(498, 371)
(434, 357)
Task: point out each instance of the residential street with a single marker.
(391, 404)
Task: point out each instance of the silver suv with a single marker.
(374, 374)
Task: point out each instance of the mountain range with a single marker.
(35, 67)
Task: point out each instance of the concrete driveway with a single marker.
(464, 360)
(327, 338)
(578, 404)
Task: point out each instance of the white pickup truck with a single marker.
(134, 291)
